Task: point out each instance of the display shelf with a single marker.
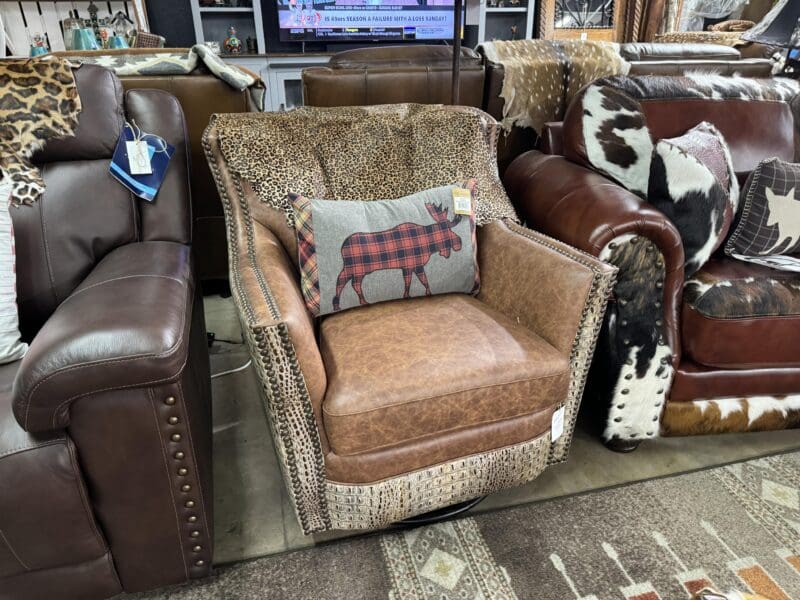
(211, 24)
(495, 22)
(226, 9)
(506, 9)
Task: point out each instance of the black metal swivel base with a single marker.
(623, 446)
(442, 514)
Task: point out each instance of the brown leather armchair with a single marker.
(396, 409)
(105, 424)
(716, 353)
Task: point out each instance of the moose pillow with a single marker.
(356, 253)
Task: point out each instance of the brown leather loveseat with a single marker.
(105, 424)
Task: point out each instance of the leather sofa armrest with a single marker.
(585, 210)
(126, 326)
(538, 281)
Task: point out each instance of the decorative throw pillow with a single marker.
(693, 183)
(11, 348)
(616, 137)
(769, 222)
(355, 253)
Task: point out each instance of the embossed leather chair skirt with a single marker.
(396, 409)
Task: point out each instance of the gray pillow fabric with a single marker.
(769, 221)
(355, 253)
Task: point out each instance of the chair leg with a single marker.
(442, 514)
(622, 446)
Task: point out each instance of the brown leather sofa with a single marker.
(392, 74)
(105, 424)
(713, 354)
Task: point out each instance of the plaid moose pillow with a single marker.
(355, 253)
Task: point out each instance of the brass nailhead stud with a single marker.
(176, 437)
(192, 519)
(169, 401)
(197, 548)
(172, 420)
(189, 504)
(200, 563)
(179, 455)
(182, 471)
(195, 534)
(186, 487)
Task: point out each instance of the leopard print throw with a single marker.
(38, 102)
(541, 77)
(364, 153)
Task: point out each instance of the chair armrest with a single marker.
(125, 326)
(539, 282)
(556, 291)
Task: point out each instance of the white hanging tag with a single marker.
(557, 424)
(138, 158)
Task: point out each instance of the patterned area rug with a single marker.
(733, 528)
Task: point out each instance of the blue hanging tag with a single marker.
(140, 161)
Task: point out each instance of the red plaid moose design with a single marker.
(408, 247)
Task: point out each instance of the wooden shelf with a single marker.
(226, 9)
(506, 9)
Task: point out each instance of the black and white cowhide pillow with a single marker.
(616, 136)
(693, 183)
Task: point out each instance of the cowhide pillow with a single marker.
(769, 222)
(616, 137)
(693, 183)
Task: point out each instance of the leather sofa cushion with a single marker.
(406, 369)
(740, 315)
(45, 520)
(639, 51)
(750, 67)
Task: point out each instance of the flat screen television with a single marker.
(365, 20)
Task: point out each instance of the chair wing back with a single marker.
(363, 153)
(84, 213)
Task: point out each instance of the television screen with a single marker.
(366, 20)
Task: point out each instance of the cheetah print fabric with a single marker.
(365, 152)
(541, 77)
(38, 102)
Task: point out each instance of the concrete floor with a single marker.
(253, 516)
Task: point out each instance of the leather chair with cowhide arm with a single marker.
(105, 424)
(676, 357)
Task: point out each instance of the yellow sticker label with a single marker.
(462, 201)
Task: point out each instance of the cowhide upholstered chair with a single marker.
(391, 410)
(714, 352)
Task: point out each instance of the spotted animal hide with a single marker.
(638, 359)
(775, 295)
(699, 202)
(38, 102)
(722, 415)
(616, 136)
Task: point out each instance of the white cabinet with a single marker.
(211, 24)
(505, 19)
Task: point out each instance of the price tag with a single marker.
(138, 158)
(557, 424)
(462, 201)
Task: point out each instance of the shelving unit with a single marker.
(495, 22)
(211, 24)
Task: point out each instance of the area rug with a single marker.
(731, 528)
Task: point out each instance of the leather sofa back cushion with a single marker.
(639, 51)
(355, 252)
(403, 56)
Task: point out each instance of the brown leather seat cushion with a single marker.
(741, 315)
(402, 370)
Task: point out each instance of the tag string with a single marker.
(158, 143)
